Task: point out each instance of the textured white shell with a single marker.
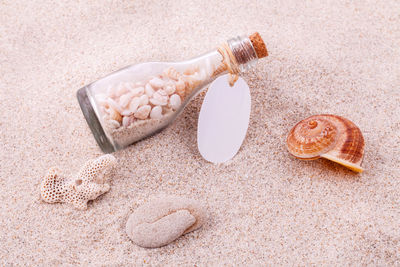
(156, 112)
(175, 101)
(143, 112)
(144, 100)
(156, 83)
(149, 90)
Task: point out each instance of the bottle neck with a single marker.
(235, 56)
(239, 51)
(244, 52)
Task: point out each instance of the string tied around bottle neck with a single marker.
(229, 63)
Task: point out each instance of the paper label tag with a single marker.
(223, 120)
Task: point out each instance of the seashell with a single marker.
(114, 105)
(157, 102)
(87, 184)
(162, 92)
(123, 88)
(114, 115)
(160, 98)
(328, 136)
(138, 91)
(156, 112)
(170, 88)
(114, 124)
(180, 88)
(163, 220)
(127, 112)
(143, 112)
(144, 100)
(126, 121)
(133, 106)
(172, 73)
(175, 101)
(156, 83)
(191, 82)
(125, 99)
(149, 90)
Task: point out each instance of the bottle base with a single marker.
(93, 122)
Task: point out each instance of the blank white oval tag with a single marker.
(223, 120)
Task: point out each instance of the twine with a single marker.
(228, 63)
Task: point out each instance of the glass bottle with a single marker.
(140, 100)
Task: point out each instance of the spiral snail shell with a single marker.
(327, 136)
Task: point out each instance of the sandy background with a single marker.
(264, 206)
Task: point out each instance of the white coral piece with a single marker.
(87, 185)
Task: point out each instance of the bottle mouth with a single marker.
(244, 52)
(93, 121)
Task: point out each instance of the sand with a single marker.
(124, 136)
(264, 206)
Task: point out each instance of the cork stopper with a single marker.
(258, 45)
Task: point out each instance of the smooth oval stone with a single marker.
(164, 219)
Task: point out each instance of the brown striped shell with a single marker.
(327, 136)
